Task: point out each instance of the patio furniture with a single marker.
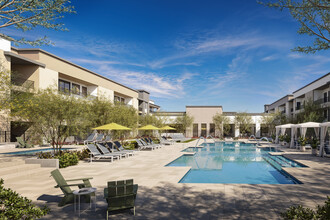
(105, 151)
(153, 143)
(68, 193)
(120, 195)
(148, 145)
(22, 143)
(94, 152)
(120, 148)
(99, 138)
(142, 146)
(81, 192)
(90, 138)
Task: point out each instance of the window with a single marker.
(203, 130)
(64, 86)
(84, 91)
(119, 99)
(195, 130)
(325, 97)
(298, 106)
(212, 130)
(75, 89)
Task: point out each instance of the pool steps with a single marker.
(16, 170)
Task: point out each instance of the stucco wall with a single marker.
(47, 78)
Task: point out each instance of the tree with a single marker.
(29, 14)
(243, 121)
(311, 112)
(222, 123)
(5, 87)
(185, 121)
(313, 16)
(53, 116)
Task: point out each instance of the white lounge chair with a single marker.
(97, 155)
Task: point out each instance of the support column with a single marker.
(236, 131)
(258, 130)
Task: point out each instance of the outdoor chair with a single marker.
(165, 142)
(99, 138)
(105, 151)
(120, 148)
(90, 138)
(153, 143)
(120, 195)
(142, 146)
(146, 144)
(94, 152)
(68, 193)
(22, 143)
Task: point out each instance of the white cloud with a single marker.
(269, 58)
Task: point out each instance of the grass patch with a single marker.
(187, 141)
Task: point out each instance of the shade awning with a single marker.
(309, 125)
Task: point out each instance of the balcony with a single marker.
(21, 82)
(78, 95)
(322, 101)
(299, 107)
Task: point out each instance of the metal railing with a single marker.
(4, 136)
(321, 101)
(17, 81)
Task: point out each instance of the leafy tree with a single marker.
(5, 87)
(271, 120)
(222, 123)
(15, 206)
(29, 14)
(243, 121)
(185, 121)
(313, 16)
(53, 116)
(311, 112)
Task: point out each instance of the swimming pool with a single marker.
(32, 152)
(234, 162)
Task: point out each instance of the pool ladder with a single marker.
(201, 137)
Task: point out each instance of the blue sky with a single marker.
(230, 53)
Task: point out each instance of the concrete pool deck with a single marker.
(160, 196)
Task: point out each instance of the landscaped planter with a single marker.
(302, 148)
(314, 151)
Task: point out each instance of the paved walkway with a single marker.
(160, 196)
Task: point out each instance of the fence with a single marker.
(4, 136)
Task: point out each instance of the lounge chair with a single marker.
(153, 143)
(120, 195)
(99, 138)
(96, 154)
(142, 146)
(23, 144)
(68, 193)
(117, 145)
(149, 144)
(165, 141)
(90, 138)
(105, 151)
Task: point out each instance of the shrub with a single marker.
(15, 206)
(68, 159)
(299, 212)
(83, 154)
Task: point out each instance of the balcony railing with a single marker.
(299, 107)
(17, 81)
(78, 95)
(322, 101)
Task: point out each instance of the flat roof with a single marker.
(203, 106)
(235, 113)
(281, 98)
(23, 60)
(66, 61)
(141, 90)
(311, 82)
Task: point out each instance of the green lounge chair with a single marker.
(120, 195)
(68, 193)
(23, 144)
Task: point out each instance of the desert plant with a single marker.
(299, 212)
(314, 142)
(15, 206)
(302, 141)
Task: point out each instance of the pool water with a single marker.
(33, 152)
(234, 162)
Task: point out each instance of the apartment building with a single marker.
(317, 91)
(39, 69)
(146, 106)
(203, 121)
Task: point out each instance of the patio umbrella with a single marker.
(111, 126)
(148, 128)
(167, 128)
